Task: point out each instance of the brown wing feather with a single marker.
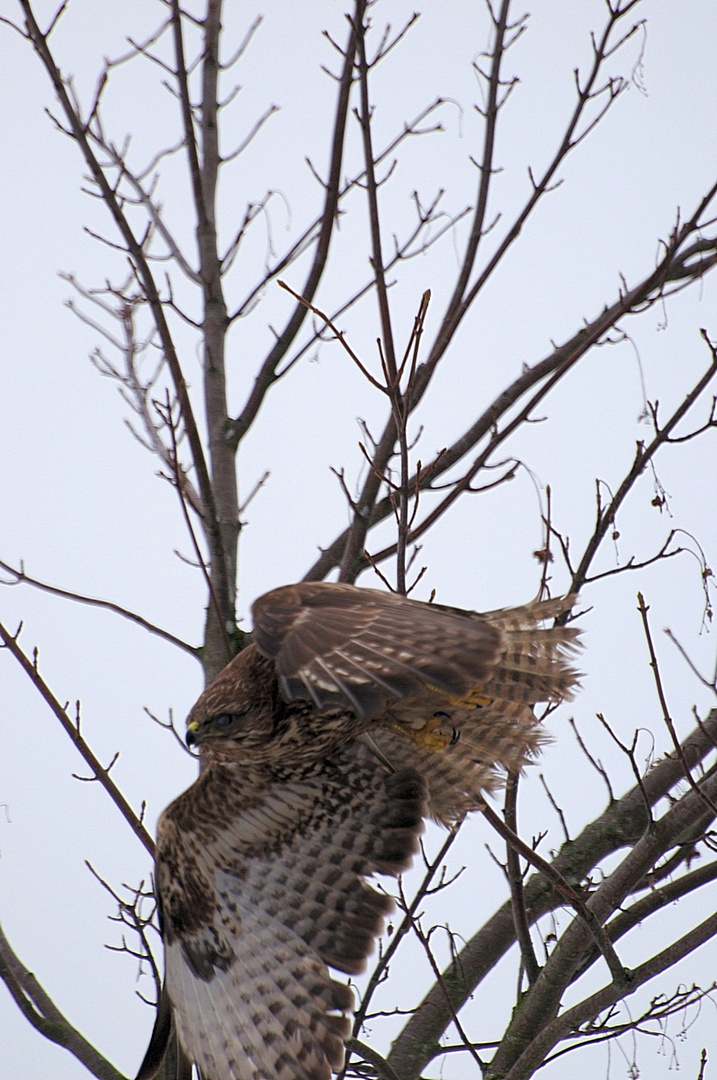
(163, 1047)
(336, 644)
(262, 863)
(159, 1040)
(285, 865)
(501, 732)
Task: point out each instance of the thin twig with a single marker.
(515, 880)
(134, 247)
(619, 973)
(643, 609)
(383, 1069)
(221, 622)
(440, 982)
(72, 730)
(21, 578)
(267, 374)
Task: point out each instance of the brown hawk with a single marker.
(353, 716)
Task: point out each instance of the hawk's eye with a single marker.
(223, 720)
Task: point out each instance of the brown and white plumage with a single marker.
(325, 743)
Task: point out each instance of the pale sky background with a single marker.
(81, 505)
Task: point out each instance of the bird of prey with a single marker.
(352, 716)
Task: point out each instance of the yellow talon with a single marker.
(434, 735)
(474, 700)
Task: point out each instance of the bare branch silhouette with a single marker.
(189, 269)
(72, 729)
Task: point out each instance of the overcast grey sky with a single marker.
(81, 504)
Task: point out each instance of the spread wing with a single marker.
(496, 725)
(336, 644)
(261, 888)
(480, 675)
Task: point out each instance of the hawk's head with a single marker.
(234, 717)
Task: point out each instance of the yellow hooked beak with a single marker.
(192, 729)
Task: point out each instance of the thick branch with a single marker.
(596, 1003)
(525, 1038)
(204, 176)
(544, 375)
(621, 825)
(655, 900)
(137, 255)
(40, 1010)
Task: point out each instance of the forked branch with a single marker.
(134, 246)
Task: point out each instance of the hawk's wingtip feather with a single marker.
(159, 1039)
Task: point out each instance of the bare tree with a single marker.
(184, 275)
